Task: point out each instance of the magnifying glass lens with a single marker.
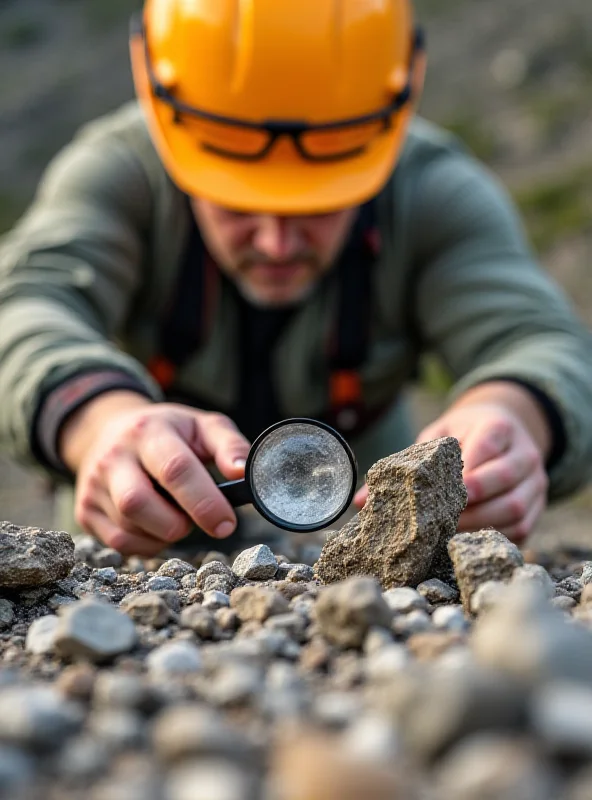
(301, 474)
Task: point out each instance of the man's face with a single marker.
(274, 261)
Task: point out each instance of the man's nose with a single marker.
(278, 238)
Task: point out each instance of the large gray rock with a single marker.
(94, 631)
(482, 556)
(346, 612)
(33, 556)
(525, 636)
(400, 536)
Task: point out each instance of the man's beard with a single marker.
(253, 296)
(254, 293)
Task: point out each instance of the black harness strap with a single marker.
(185, 325)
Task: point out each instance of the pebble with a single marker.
(436, 592)
(450, 618)
(385, 663)
(257, 603)
(160, 583)
(537, 574)
(6, 614)
(176, 568)
(106, 575)
(257, 563)
(376, 639)
(120, 690)
(402, 600)
(200, 620)
(174, 658)
(41, 635)
(122, 728)
(586, 577)
(93, 631)
(209, 569)
(219, 583)
(405, 625)
(148, 609)
(561, 715)
(486, 596)
(77, 682)
(346, 611)
(209, 780)
(482, 556)
(37, 717)
(235, 685)
(31, 557)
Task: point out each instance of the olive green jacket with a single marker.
(86, 274)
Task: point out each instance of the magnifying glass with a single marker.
(300, 475)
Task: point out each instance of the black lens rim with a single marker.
(276, 129)
(264, 511)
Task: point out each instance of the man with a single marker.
(269, 234)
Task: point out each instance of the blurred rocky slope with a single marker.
(513, 78)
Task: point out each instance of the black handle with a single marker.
(238, 493)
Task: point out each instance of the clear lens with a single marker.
(301, 474)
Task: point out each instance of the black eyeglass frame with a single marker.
(276, 128)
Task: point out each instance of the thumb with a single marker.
(361, 496)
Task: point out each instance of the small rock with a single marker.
(376, 639)
(85, 547)
(41, 635)
(148, 609)
(316, 655)
(226, 619)
(337, 710)
(385, 663)
(6, 614)
(257, 603)
(17, 773)
(162, 583)
(176, 568)
(84, 759)
(437, 592)
(94, 631)
(200, 620)
(586, 577)
(106, 575)
(209, 569)
(482, 556)
(405, 625)
(214, 600)
(120, 690)
(107, 557)
(235, 685)
(219, 583)
(77, 682)
(191, 731)
(563, 602)
(486, 596)
(403, 600)
(561, 715)
(121, 727)
(346, 612)
(494, 766)
(209, 779)
(450, 618)
(536, 573)
(299, 572)
(415, 500)
(37, 717)
(429, 645)
(174, 659)
(256, 564)
(33, 556)
(570, 586)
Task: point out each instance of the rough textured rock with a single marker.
(257, 603)
(482, 556)
(33, 556)
(256, 564)
(346, 612)
(148, 609)
(400, 536)
(94, 631)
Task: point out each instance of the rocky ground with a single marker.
(258, 677)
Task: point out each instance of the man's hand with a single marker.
(118, 442)
(504, 438)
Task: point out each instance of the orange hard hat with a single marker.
(278, 106)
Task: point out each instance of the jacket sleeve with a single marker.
(69, 272)
(491, 312)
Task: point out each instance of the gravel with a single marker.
(285, 687)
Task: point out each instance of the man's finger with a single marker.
(178, 470)
(505, 510)
(224, 443)
(485, 443)
(113, 535)
(500, 474)
(522, 530)
(361, 496)
(137, 504)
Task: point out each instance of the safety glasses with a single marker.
(244, 140)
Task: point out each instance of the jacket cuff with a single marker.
(57, 406)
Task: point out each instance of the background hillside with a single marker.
(512, 77)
